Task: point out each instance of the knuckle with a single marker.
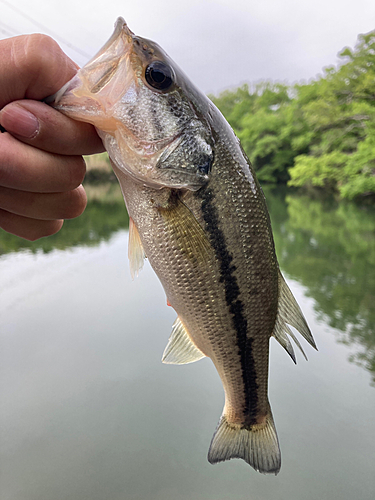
(76, 203)
(8, 152)
(28, 228)
(44, 229)
(41, 42)
(41, 62)
(34, 51)
(77, 172)
(35, 235)
(41, 52)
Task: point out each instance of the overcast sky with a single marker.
(218, 43)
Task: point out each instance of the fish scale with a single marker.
(243, 306)
(199, 215)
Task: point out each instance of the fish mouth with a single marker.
(121, 28)
(86, 95)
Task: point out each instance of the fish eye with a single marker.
(159, 75)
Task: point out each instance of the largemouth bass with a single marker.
(199, 215)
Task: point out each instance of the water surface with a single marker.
(88, 411)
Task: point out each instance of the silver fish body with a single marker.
(199, 215)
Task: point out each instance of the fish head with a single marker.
(151, 118)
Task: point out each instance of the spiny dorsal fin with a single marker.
(290, 313)
(136, 253)
(180, 349)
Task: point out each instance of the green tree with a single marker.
(339, 111)
(320, 133)
(257, 118)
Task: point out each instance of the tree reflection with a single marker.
(105, 214)
(330, 249)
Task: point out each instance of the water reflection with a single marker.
(89, 411)
(330, 249)
(327, 247)
(105, 214)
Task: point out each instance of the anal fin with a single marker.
(289, 313)
(136, 252)
(180, 349)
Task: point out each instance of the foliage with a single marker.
(320, 133)
(257, 117)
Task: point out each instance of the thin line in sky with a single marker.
(44, 28)
(5, 32)
(5, 27)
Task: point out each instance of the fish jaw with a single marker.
(87, 97)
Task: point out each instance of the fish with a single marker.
(198, 213)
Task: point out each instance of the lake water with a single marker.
(88, 411)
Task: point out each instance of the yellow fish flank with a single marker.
(199, 215)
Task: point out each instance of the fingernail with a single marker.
(19, 121)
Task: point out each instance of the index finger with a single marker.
(32, 67)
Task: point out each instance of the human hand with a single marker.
(40, 164)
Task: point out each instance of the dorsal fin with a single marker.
(289, 313)
(136, 252)
(180, 349)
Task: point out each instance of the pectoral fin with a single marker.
(289, 313)
(180, 349)
(136, 253)
(189, 237)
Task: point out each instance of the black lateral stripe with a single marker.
(236, 307)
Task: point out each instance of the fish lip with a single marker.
(75, 82)
(120, 26)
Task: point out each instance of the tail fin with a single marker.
(257, 445)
